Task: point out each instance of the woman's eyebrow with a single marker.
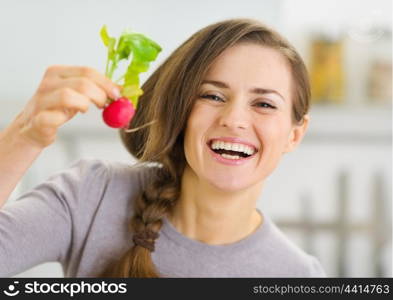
(255, 90)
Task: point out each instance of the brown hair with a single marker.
(168, 98)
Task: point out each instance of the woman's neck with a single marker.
(214, 216)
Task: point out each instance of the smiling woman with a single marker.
(228, 103)
(223, 109)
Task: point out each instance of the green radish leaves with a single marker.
(130, 46)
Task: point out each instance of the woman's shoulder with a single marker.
(290, 256)
(97, 171)
(92, 166)
(95, 184)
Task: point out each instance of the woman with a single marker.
(223, 109)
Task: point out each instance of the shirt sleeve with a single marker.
(38, 226)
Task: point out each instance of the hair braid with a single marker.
(153, 203)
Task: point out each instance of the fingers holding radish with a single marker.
(63, 92)
(83, 86)
(67, 99)
(83, 79)
(102, 81)
(66, 90)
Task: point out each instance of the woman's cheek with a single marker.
(203, 116)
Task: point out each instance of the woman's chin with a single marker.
(229, 184)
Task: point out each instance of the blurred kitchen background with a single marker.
(332, 196)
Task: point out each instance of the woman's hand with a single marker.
(63, 91)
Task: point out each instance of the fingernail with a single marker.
(116, 93)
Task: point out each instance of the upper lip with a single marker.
(233, 140)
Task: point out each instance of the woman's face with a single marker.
(243, 105)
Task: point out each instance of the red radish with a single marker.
(119, 113)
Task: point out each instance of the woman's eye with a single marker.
(265, 105)
(218, 98)
(212, 97)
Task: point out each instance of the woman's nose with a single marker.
(234, 116)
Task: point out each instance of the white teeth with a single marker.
(227, 146)
(230, 156)
(232, 146)
(243, 148)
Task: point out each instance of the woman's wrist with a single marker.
(16, 156)
(13, 136)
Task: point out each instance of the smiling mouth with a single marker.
(230, 152)
(240, 154)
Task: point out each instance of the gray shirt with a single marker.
(79, 217)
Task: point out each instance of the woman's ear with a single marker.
(297, 134)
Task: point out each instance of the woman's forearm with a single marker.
(16, 156)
